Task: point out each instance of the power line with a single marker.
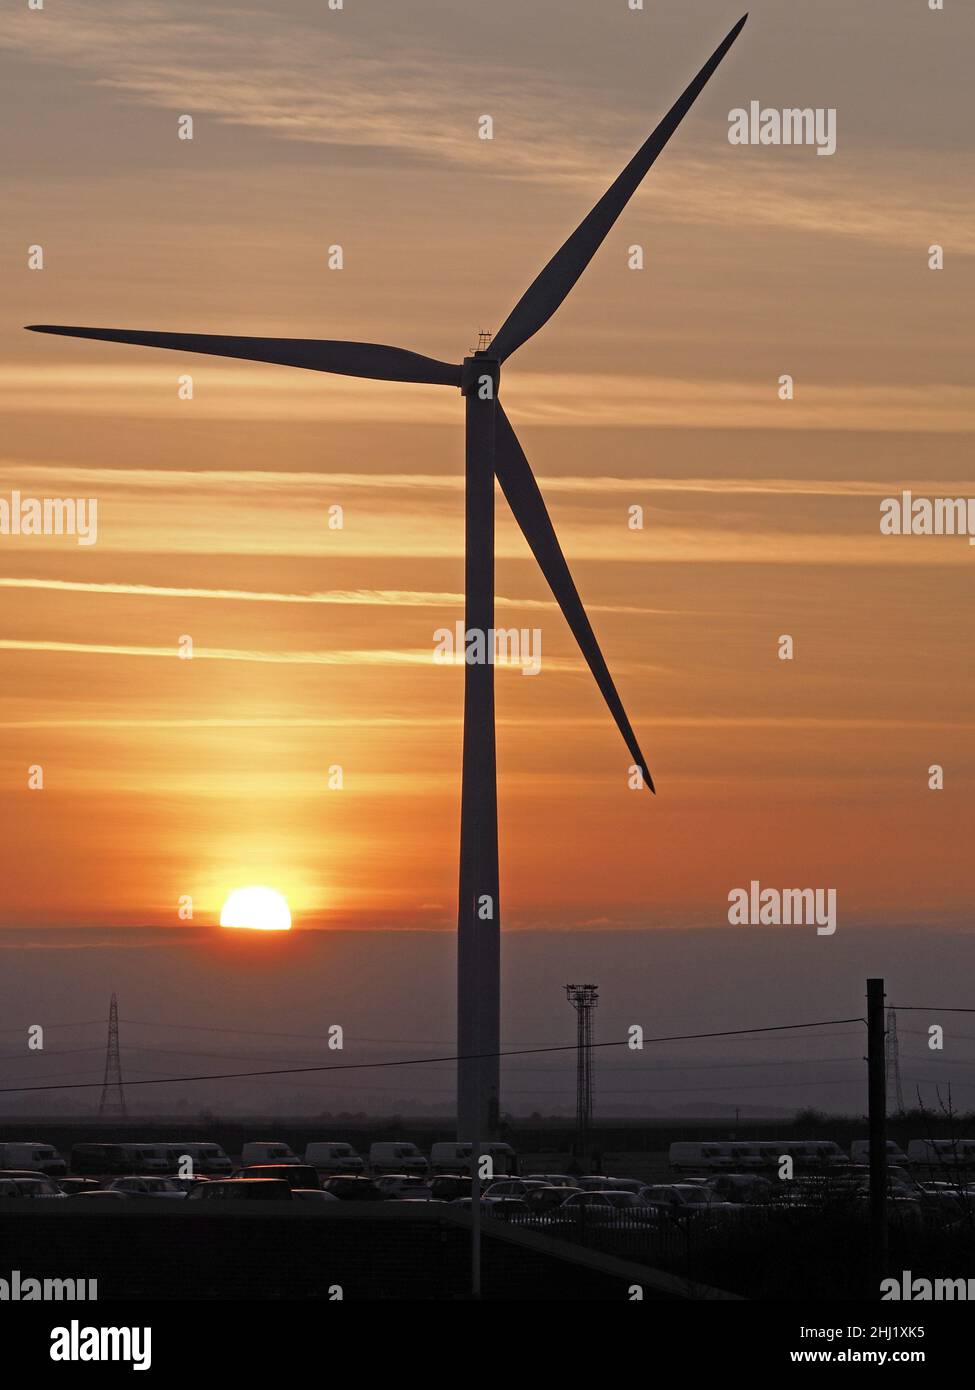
(258, 1033)
(88, 1023)
(426, 1061)
(931, 1009)
(55, 1052)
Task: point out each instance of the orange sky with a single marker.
(313, 647)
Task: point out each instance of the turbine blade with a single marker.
(374, 360)
(547, 291)
(526, 502)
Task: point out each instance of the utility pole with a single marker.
(476, 1219)
(113, 1066)
(877, 1119)
(583, 999)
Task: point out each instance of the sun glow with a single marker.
(262, 909)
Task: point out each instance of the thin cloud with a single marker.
(283, 658)
(259, 392)
(18, 473)
(414, 102)
(383, 598)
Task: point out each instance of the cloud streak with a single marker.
(378, 657)
(382, 598)
(413, 101)
(256, 392)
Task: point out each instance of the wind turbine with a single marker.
(492, 451)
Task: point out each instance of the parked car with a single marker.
(511, 1187)
(547, 1199)
(944, 1203)
(328, 1156)
(72, 1186)
(684, 1200)
(447, 1187)
(312, 1194)
(350, 1188)
(32, 1184)
(294, 1174)
(397, 1186)
(897, 1177)
(164, 1188)
(553, 1179)
(397, 1157)
(241, 1190)
(611, 1206)
(626, 1185)
(498, 1208)
(32, 1156)
(266, 1151)
(187, 1184)
(744, 1189)
(100, 1194)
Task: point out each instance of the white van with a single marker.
(31, 1156)
(329, 1157)
(769, 1151)
(935, 1153)
(152, 1158)
(456, 1158)
(860, 1152)
(747, 1156)
(687, 1155)
(267, 1151)
(824, 1152)
(208, 1159)
(813, 1153)
(398, 1157)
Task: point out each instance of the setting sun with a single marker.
(263, 909)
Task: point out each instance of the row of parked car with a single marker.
(693, 1156)
(326, 1157)
(705, 1202)
(554, 1200)
(260, 1182)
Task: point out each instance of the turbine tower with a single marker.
(492, 451)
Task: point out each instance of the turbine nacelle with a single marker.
(481, 375)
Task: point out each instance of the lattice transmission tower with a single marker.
(112, 1093)
(892, 1059)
